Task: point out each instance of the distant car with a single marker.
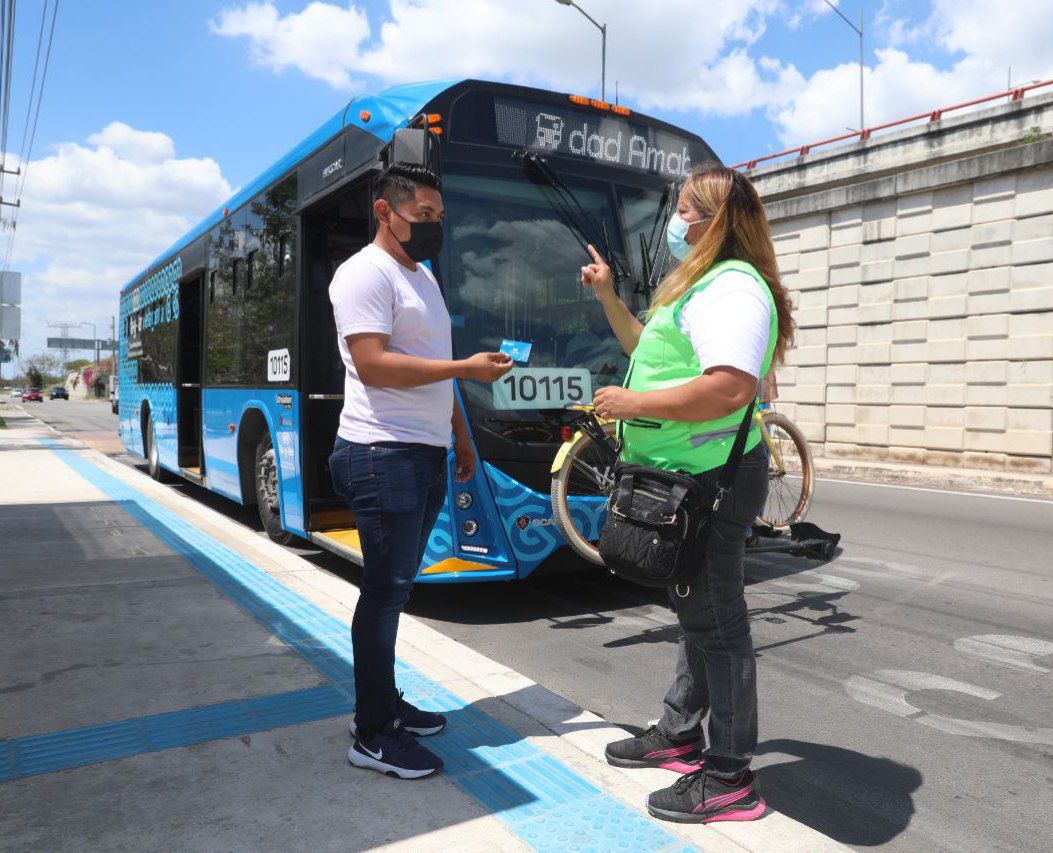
(32, 395)
(16, 392)
(59, 392)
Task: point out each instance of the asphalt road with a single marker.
(91, 421)
(906, 687)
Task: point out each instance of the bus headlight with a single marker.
(470, 527)
(465, 500)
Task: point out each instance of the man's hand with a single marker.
(486, 366)
(617, 404)
(462, 449)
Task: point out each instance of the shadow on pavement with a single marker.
(854, 798)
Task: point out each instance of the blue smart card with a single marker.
(517, 350)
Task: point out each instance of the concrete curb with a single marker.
(552, 723)
(962, 479)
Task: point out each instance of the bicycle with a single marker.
(583, 468)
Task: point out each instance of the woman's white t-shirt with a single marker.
(728, 323)
(372, 292)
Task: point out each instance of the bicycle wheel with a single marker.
(587, 471)
(791, 475)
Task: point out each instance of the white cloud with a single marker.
(673, 54)
(94, 214)
(322, 41)
(981, 44)
(141, 145)
(1015, 32)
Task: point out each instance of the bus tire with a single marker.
(265, 474)
(153, 453)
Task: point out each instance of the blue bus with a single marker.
(229, 371)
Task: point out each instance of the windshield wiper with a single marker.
(650, 247)
(570, 210)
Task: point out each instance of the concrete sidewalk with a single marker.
(172, 679)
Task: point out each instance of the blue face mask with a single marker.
(676, 236)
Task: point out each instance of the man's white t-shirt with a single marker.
(727, 323)
(372, 292)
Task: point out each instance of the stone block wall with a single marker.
(924, 303)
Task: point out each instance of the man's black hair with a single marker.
(399, 181)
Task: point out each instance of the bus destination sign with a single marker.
(596, 136)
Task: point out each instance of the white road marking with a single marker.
(869, 567)
(937, 491)
(807, 581)
(887, 689)
(1007, 650)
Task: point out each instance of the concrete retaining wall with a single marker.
(922, 270)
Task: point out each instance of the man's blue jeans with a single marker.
(396, 491)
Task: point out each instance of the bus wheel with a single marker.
(267, 491)
(153, 455)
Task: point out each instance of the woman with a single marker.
(715, 326)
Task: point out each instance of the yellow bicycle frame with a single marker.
(772, 448)
(564, 449)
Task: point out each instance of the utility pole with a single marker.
(65, 329)
(603, 45)
(859, 32)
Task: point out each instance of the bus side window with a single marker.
(250, 269)
(284, 253)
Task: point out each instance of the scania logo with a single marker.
(525, 521)
(333, 167)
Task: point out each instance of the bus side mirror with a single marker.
(413, 145)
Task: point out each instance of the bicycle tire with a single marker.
(560, 493)
(793, 507)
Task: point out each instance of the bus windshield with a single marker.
(511, 271)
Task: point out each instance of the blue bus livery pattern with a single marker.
(152, 302)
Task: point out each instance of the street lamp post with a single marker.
(603, 48)
(859, 32)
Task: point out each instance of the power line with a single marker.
(7, 45)
(24, 165)
(33, 84)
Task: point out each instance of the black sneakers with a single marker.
(653, 749)
(698, 798)
(394, 751)
(414, 720)
(418, 722)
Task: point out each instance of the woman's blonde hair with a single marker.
(737, 230)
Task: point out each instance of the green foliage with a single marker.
(78, 364)
(1034, 134)
(34, 377)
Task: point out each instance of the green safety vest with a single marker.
(665, 358)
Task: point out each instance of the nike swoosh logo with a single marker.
(377, 756)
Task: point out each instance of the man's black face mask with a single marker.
(425, 239)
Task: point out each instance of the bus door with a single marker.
(188, 377)
(334, 229)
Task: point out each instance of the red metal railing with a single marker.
(1016, 94)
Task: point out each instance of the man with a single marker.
(389, 461)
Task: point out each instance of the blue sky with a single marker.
(208, 94)
(140, 64)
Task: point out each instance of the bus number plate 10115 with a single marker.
(542, 388)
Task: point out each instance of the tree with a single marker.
(40, 368)
(78, 364)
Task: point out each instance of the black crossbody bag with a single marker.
(658, 522)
